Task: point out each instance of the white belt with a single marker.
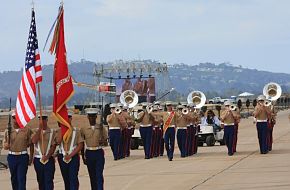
(156, 126)
(68, 151)
(94, 148)
(227, 124)
(149, 125)
(262, 120)
(18, 153)
(181, 127)
(171, 125)
(38, 156)
(130, 128)
(114, 128)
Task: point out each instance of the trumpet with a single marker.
(233, 107)
(185, 111)
(118, 110)
(267, 103)
(149, 109)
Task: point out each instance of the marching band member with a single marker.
(145, 119)
(181, 123)
(192, 129)
(18, 159)
(236, 128)
(169, 124)
(124, 127)
(271, 124)
(262, 114)
(129, 131)
(228, 117)
(156, 134)
(94, 137)
(114, 131)
(161, 141)
(68, 157)
(44, 146)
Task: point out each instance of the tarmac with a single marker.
(211, 168)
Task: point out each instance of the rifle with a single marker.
(9, 127)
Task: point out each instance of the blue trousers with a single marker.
(181, 141)
(95, 165)
(70, 172)
(18, 165)
(146, 135)
(44, 173)
(115, 139)
(122, 148)
(169, 140)
(229, 138)
(262, 129)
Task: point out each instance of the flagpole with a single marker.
(40, 107)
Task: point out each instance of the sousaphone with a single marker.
(272, 91)
(196, 98)
(129, 98)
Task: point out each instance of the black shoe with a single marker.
(161, 155)
(170, 159)
(146, 157)
(230, 154)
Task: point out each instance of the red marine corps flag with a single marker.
(32, 74)
(62, 83)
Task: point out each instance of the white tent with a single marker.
(246, 94)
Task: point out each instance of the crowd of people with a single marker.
(158, 126)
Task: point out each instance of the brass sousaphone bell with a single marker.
(196, 98)
(129, 98)
(272, 91)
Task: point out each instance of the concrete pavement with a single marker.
(211, 168)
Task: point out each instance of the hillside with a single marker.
(213, 79)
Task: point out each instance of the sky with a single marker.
(251, 33)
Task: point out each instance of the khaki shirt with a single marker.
(46, 135)
(19, 140)
(78, 139)
(145, 119)
(164, 115)
(113, 121)
(181, 120)
(94, 135)
(228, 117)
(260, 113)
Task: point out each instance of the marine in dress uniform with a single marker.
(129, 130)
(18, 159)
(124, 127)
(262, 115)
(182, 138)
(114, 131)
(169, 124)
(156, 134)
(94, 137)
(44, 146)
(228, 118)
(236, 129)
(271, 124)
(145, 119)
(68, 157)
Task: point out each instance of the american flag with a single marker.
(32, 74)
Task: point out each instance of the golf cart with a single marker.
(211, 132)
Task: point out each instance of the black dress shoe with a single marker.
(230, 154)
(147, 157)
(170, 159)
